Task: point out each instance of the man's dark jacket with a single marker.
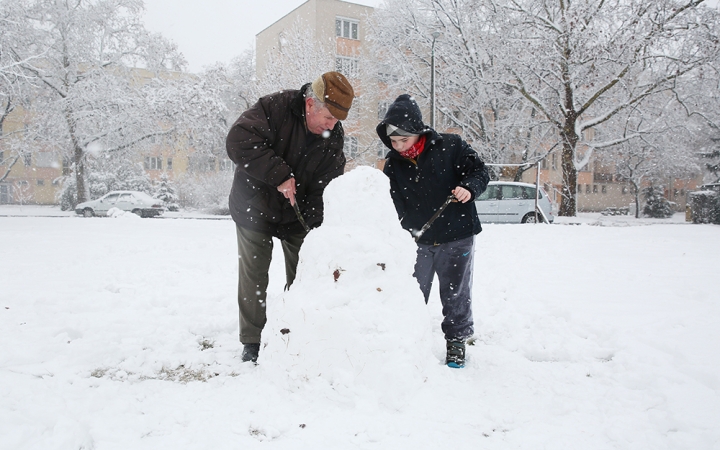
(418, 189)
(269, 144)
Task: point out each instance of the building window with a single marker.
(387, 77)
(2, 158)
(67, 166)
(554, 161)
(594, 188)
(5, 193)
(382, 110)
(351, 147)
(587, 188)
(382, 149)
(27, 159)
(346, 28)
(169, 164)
(201, 163)
(44, 159)
(603, 189)
(346, 66)
(226, 165)
(41, 182)
(153, 163)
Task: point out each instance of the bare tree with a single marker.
(499, 125)
(562, 69)
(298, 59)
(14, 83)
(241, 81)
(583, 64)
(94, 92)
(699, 100)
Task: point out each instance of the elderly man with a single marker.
(286, 149)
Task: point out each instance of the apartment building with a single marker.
(339, 29)
(26, 177)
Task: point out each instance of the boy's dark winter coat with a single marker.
(269, 144)
(419, 189)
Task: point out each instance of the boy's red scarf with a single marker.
(414, 151)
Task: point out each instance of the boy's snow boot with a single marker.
(455, 354)
(250, 352)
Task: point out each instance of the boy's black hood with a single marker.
(404, 113)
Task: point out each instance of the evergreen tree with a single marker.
(165, 191)
(656, 205)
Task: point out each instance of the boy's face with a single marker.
(403, 143)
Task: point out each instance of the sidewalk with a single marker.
(593, 219)
(54, 211)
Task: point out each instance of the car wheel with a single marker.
(87, 212)
(530, 218)
(138, 212)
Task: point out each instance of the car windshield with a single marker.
(143, 197)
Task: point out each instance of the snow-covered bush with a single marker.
(208, 192)
(705, 205)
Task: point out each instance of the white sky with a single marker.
(216, 30)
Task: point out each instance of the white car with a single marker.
(136, 202)
(510, 202)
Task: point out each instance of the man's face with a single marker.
(403, 143)
(318, 117)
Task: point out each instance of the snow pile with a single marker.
(119, 213)
(355, 316)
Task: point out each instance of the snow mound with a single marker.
(355, 315)
(119, 213)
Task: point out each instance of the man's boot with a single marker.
(250, 352)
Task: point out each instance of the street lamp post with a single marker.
(435, 35)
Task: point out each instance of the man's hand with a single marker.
(462, 194)
(287, 189)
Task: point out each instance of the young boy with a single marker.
(425, 168)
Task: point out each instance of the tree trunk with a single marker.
(528, 136)
(568, 205)
(637, 200)
(80, 175)
(79, 160)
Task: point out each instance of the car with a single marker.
(136, 202)
(512, 202)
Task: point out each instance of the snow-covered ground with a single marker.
(121, 333)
